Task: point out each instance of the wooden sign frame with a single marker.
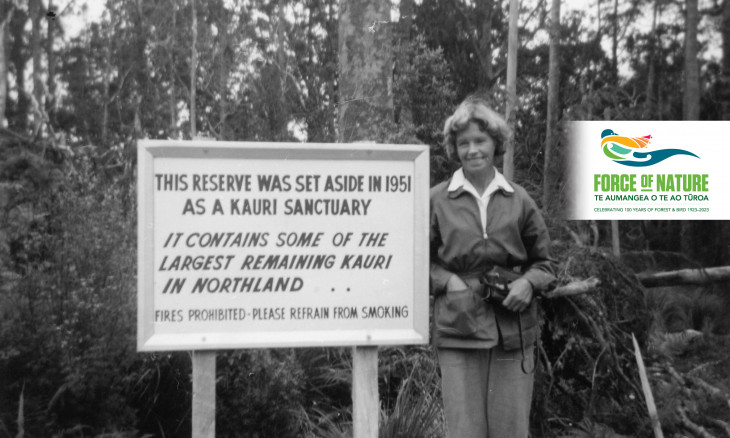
(416, 156)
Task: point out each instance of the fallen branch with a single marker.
(685, 276)
(721, 424)
(697, 382)
(679, 379)
(574, 288)
(701, 367)
(710, 389)
(691, 426)
(672, 372)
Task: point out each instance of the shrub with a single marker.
(68, 326)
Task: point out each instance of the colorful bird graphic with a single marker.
(623, 149)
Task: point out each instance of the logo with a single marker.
(623, 150)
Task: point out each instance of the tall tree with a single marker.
(281, 61)
(6, 12)
(614, 46)
(551, 136)
(405, 22)
(18, 58)
(142, 95)
(486, 74)
(649, 105)
(172, 77)
(224, 63)
(402, 112)
(365, 113)
(193, 69)
(725, 75)
(512, 43)
(365, 70)
(35, 10)
(107, 42)
(691, 102)
(691, 63)
(51, 61)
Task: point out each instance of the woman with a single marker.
(483, 226)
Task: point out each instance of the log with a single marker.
(721, 424)
(574, 288)
(685, 276)
(693, 427)
(654, 279)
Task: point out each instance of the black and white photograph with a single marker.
(364, 218)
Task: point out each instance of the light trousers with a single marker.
(485, 392)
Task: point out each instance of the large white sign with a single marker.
(281, 244)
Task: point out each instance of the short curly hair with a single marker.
(477, 110)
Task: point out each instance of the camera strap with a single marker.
(524, 360)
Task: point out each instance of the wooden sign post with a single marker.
(204, 394)
(268, 245)
(365, 401)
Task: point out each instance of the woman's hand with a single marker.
(455, 283)
(520, 295)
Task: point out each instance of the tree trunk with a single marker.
(365, 113)
(365, 70)
(34, 7)
(403, 114)
(650, 105)
(485, 44)
(686, 238)
(193, 70)
(51, 59)
(552, 109)
(331, 26)
(107, 78)
(7, 13)
(223, 75)
(105, 90)
(614, 45)
(725, 77)
(282, 113)
(18, 59)
(406, 9)
(172, 101)
(724, 236)
(137, 122)
(685, 276)
(141, 68)
(508, 167)
(615, 238)
(691, 64)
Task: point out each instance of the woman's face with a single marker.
(475, 149)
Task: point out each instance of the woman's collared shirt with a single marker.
(499, 182)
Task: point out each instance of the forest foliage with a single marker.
(74, 104)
